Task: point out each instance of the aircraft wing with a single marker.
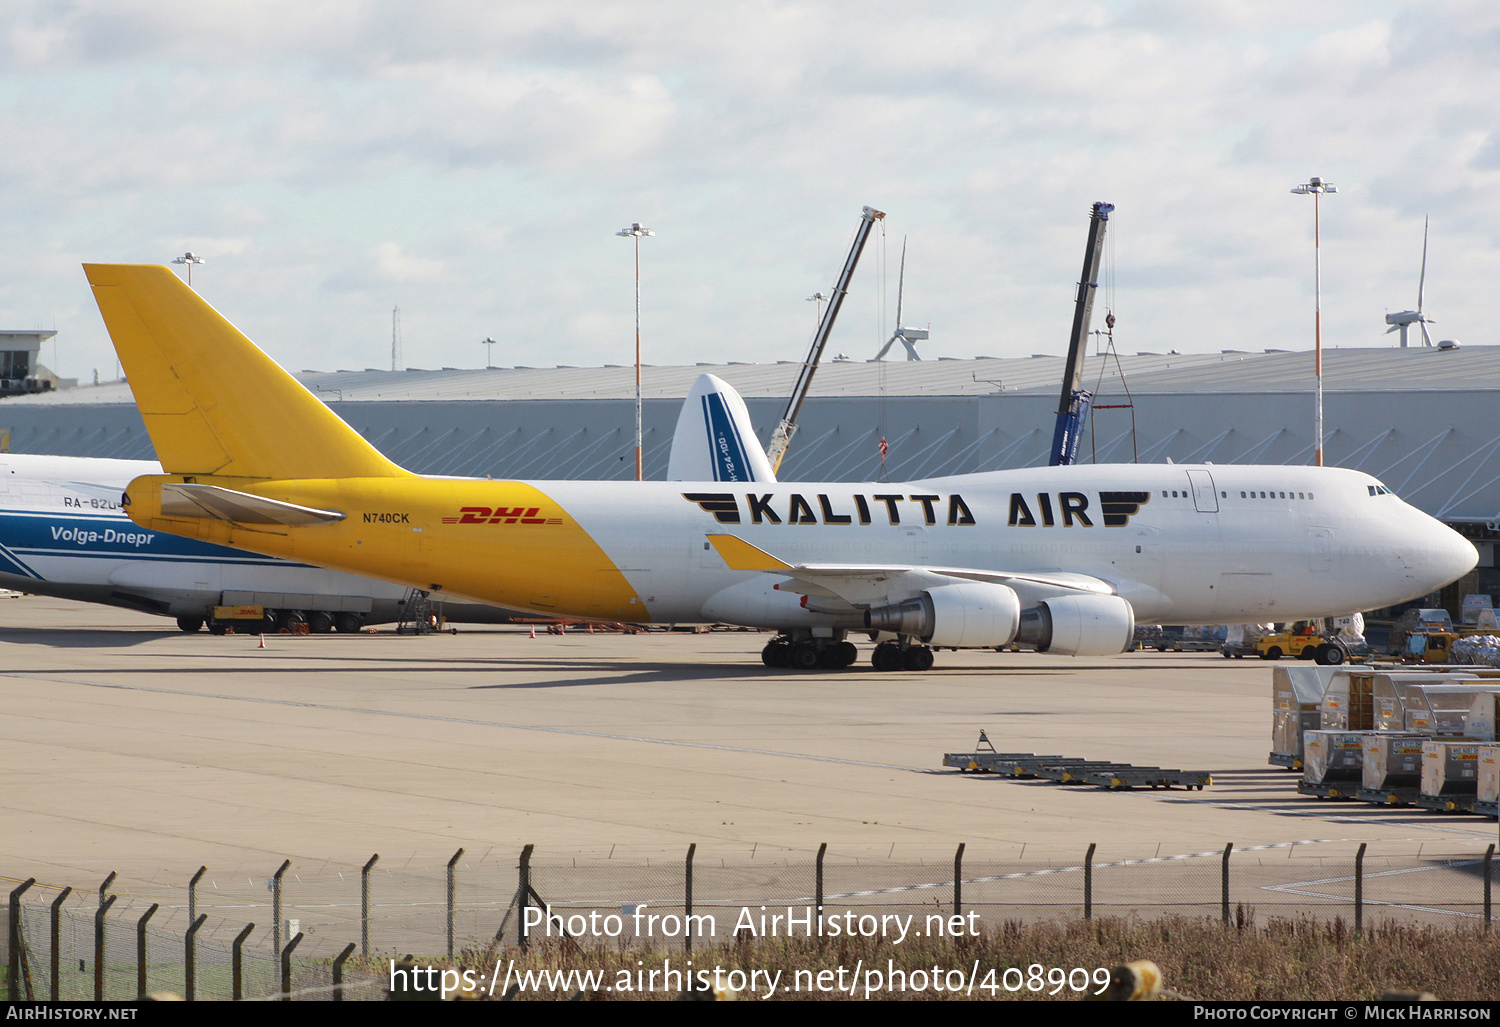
(861, 584)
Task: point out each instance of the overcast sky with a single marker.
(471, 163)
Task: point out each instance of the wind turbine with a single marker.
(1404, 319)
(908, 336)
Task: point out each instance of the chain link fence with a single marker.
(124, 942)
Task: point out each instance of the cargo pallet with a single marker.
(1389, 796)
(1075, 773)
(1448, 803)
(1072, 770)
(1150, 777)
(1337, 790)
(1284, 759)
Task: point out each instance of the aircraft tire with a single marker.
(805, 656)
(777, 653)
(839, 655)
(1329, 655)
(320, 622)
(290, 619)
(348, 623)
(887, 656)
(918, 657)
(189, 624)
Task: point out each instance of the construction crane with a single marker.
(1073, 406)
(782, 436)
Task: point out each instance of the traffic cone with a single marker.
(533, 631)
(262, 640)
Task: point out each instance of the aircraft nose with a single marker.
(1450, 557)
(1457, 555)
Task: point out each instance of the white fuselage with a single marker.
(1183, 544)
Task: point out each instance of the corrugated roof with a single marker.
(1344, 370)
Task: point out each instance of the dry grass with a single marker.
(1302, 959)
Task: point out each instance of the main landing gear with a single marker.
(827, 654)
(892, 656)
(807, 654)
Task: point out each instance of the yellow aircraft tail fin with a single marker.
(213, 403)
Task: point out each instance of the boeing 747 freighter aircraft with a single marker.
(1063, 559)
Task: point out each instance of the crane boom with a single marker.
(1073, 405)
(782, 436)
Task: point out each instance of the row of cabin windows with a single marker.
(1250, 495)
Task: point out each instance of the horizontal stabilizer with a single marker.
(184, 500)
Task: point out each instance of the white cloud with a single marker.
(480, 156)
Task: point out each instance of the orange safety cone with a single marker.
(262, 640)
(533, 631)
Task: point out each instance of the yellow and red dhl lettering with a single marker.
(501, 515)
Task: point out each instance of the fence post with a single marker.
(523, 889)
(1489, 860)
(239, 962)
(56, 932)
(193, 894)
(338, 969)
(99, 936)
(190, 957)
(958, 880)
(1359, 890)
(687, 919)
(99, 945)
(286, 967)
(1088, 883)
(13, 969)
(823, 848)
(276, 907)
(1224, 884)
(451, 864)
(140, 951)
(364, 907)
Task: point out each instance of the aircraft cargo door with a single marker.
(1205, 496)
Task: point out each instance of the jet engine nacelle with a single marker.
(968, 615)
(1079, 626)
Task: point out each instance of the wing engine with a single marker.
(975, 614)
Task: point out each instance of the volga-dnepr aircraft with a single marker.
(1063, 559)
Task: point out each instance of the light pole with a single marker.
(189, 258)
(489, 351)
(1317, 187)
(818, 298)
(636, 231)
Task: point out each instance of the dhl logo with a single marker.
(501, 515)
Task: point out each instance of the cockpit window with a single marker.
(1379, 490)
